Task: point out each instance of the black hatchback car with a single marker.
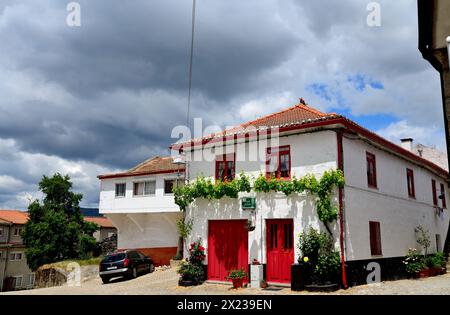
(128, 263)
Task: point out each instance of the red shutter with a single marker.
(433, 187)
(410, 182)
(371, 170)
(375, 238)
(444, 203)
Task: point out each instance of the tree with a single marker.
(56, 229)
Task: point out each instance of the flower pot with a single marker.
(237, 283)
(424, 273)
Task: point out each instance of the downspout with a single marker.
(341, 209)
(6, 256)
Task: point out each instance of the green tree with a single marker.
(56, 229)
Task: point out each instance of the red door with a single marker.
(227, 248)
(280, 250)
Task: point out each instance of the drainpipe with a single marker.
(8, 239)
(341, 209)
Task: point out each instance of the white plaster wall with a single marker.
(310, 153)
(146, 230)
(159, 202)
(389, 204)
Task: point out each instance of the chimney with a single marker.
(407, 144)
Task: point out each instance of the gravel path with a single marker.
(166, 282)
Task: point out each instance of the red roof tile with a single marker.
(14, 216)
(21, 217)
(154, 165)
(100, 221)
(295, 115)
(302, 116)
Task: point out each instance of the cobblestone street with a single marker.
(166, 282)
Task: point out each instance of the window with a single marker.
(18, 282)
(30, 280)
(433, 188)
(371, 170)
(375, 238)
(144, 188)
(225, 167)
(17, 231)
(120, 190)
(278, 162)
(442, 196)
(438, 243)
(288, 235)
(15, 256)
(410, 182)
(169, 185)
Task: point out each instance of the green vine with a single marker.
(323, 188)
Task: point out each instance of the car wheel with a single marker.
(151, 268)
(105, 280)
(134, 273)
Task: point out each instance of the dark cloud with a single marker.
(106, 95)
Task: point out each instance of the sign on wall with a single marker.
(248, 203)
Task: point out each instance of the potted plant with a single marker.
(320, 264)
(237, 277)
(436, 263)
(250, 226)
(414, 264)
(191, 270)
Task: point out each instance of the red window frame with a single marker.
(433, 188)
(371, 170)
(278, 152)
(444, 202)
(229, 172)
(410, 183)
(375, 238)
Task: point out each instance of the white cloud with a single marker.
(420, 134)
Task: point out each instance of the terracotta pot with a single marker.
(424, 273)
(237, 283)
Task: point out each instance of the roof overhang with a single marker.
(121, 175)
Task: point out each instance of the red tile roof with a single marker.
(303, 116)
(100, 221)
(155, 165)
(14, 216)
(21, 217)
(293, 116)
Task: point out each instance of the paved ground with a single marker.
(166, 282)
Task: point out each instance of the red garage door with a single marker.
(227, 248)
(280, 250)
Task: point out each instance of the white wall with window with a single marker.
(139, 194)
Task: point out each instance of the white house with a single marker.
(140, 204)
(389, 191)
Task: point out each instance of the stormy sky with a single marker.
(105, 96)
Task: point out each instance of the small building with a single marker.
(140, 203)
(14, 271)
(106, 228)
(388, 192)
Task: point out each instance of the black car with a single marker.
(128, 263)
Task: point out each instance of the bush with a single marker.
(312, 244)
(319, 262)
(237, 274)
(328, 267)
(436, 261)
(414, 262)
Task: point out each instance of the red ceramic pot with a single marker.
(237, 283)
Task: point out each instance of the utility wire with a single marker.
(190, 65)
